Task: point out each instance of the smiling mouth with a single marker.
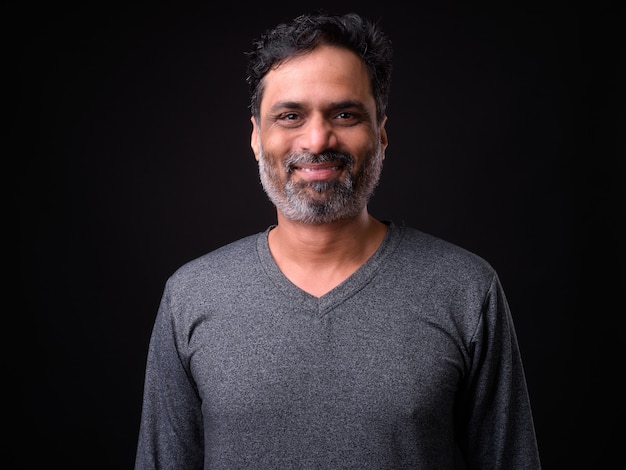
(318, 171)
(311, 167)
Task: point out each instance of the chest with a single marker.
(389, 366)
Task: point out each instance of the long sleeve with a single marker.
(495, 406)
(171, 434)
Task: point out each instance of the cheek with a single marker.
(277, 147)
(366, 154)
(360, 141)
(272, 165)
(273, 135)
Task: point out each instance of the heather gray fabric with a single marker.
(247, 371)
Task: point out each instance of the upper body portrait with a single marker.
(332, 339)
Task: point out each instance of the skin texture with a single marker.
(318, 114)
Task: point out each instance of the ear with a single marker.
(383, 136)
(254, 138)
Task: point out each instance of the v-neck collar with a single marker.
(322, 305)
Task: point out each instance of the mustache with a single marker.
(345, 159)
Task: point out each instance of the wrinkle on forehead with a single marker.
(326, 74)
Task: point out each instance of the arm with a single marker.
(171, 433)
(495, 420)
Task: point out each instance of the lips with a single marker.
(317, 166)
(318, 171)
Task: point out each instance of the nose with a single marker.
(317, 135)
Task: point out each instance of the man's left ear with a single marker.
(383, 136)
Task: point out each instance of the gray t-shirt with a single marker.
(411, 359)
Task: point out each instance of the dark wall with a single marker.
(131, 156)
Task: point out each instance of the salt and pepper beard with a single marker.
(319, 202)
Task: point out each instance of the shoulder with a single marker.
(224, 265)
(451, 284)
(433, 256)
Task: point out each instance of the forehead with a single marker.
(326, 73)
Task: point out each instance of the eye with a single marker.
(288, 119)
(348, 118)
(345, 115)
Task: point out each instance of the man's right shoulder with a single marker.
(227, 258)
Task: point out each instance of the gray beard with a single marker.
(319, 202)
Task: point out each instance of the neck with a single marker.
(318, 257)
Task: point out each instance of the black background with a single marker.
(127, 154)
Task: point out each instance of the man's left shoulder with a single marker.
(442, 255)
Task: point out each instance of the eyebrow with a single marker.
(335, 105)
(285, 104)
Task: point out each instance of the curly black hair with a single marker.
(306, 32)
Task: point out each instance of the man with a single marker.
(332, 339)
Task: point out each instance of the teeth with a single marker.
(317, 169)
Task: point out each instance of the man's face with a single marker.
(319, 147)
